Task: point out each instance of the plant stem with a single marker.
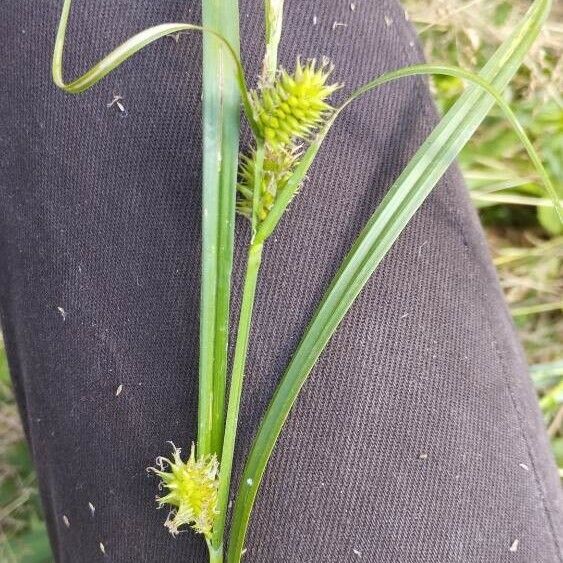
(221, 101)
(252, 268)
(273, 15)
(274, 18)
(215, 554)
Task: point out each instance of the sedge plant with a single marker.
(290, 115)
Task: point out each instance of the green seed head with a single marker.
(191, 490)
(294, 105)
(277, 169)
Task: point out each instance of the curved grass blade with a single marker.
(221, 133)
(401, 202)
(504, 106)
(285, 197)
(129, 48)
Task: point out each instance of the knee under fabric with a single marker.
(417, 437)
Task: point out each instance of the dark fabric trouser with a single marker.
(417, 437)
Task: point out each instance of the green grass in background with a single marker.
(22, 532)
(495, 163)
(525, 238)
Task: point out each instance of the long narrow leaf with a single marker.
(129, 48)
(512, 199)
(225, 14)
(401, 202)
(285, 197)
(220, 163)
(224, 85)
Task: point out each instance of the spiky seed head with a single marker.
(295, 104)
(191, 491)
(277, 169)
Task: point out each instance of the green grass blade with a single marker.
(220, 161)
(224, 86)
(401, 202)
(490, 89)
(483, 198)
(228, 12)
(285, 197)
(273, 15)
(526, 310)
(129, 48)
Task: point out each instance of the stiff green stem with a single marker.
(215, 554)
(258, 175)
(235, 391)
(273, 15)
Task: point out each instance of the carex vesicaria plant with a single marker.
(290, 114)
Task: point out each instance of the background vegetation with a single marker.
(525, 238)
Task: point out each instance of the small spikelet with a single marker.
(191, 490)
(294, 105)
(277, 169)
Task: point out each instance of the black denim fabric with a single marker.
(417, 437)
